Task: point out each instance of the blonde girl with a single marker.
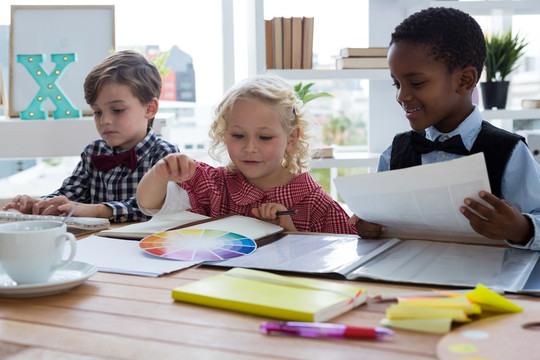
(261, 133)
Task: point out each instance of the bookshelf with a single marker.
(382, 105)
(332, 74)
(511, 114)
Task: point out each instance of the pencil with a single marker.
(287, 212)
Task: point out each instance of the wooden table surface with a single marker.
(133, 317)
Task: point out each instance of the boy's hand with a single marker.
(61, 206)
(366, 229)
(502, 222)
(267, 212)
(22, 203)
(54, 206)
(175, 167)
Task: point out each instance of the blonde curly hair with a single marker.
(277, 93)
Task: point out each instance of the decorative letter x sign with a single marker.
(48, 87)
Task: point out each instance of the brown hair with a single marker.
(129, 68)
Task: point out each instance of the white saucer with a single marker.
(65, 278)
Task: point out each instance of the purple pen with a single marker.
(309, 329)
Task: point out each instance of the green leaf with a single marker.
(304, 93)
(503, 55)
(310, 97)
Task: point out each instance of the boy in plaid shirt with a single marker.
(262, 126)
(123, 92)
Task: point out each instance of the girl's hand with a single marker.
(175, 167)
(502, 222)
(22, 203)
(366, 229)
(268, 212)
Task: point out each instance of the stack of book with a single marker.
(530, 103)
(323, 152)
(289, 42)
(362, 58)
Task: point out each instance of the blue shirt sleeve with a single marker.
(521, 188)
(384, 160)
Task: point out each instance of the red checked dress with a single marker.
(216, 191)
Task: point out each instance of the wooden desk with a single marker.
(133, 317)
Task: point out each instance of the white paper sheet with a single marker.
(125, 257)
(420, 202)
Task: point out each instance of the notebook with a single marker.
(275, 296)
(75, 225)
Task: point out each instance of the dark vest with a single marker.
(496, 144)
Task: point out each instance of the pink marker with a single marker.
(313, 330)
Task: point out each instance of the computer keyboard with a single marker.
(80, 223)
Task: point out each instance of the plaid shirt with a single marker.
(216, 191)
(117, 187)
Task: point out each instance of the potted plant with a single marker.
(503, 53)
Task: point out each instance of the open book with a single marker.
(420, 203)
(249, 227)
(271, 295)
(158, 223)
(404, 261)
(123, 256)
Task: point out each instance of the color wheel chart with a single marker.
(197, 245)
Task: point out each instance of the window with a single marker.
(163, 26)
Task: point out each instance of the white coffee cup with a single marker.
(31, 251)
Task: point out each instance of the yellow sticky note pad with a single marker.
(458, 302)
(434, 326)
(394, 312)
(491, 301)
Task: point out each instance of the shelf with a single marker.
(485, 8)
(371, 74)
(514, 114)
(347, 160)
(41, 136)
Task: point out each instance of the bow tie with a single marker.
(454, 145)
(108, 162)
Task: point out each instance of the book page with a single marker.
(158, 223)
(442, 263)
(420, 202)
(312, 253)
(247, 226)
(243, 225)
